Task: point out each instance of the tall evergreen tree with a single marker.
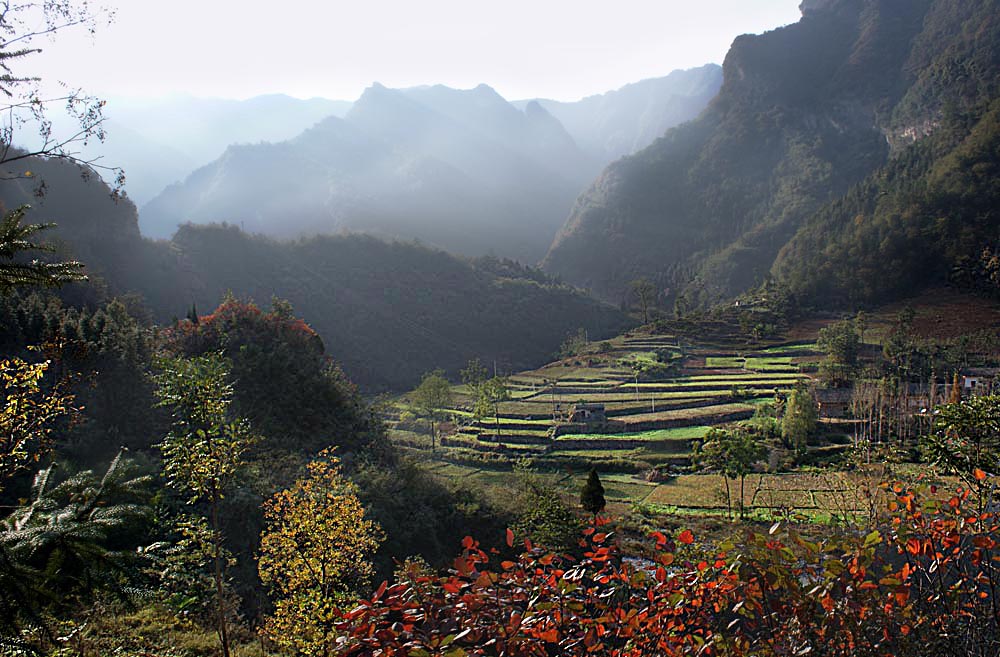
(592, 495)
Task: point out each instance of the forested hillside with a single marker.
(388, 311)
(823, 127)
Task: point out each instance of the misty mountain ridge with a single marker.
(621, 122)
(387, 310)
(463, 170)
(161, 141)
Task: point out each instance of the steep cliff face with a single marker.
(805, 113)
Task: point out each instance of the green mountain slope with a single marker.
(387, 311)
(807, 116)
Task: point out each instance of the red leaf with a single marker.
(510, 538)
(686, 537)
(979, 474)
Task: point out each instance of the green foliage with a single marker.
(732, 453)
(204, 448)
(101, 354)
(28, 414)
(842, 345)
(292, 392)
(800, 420)
(543, 517)
(205, 445)
(425, 515)
(182, 566)
(70, 542)
(575, 344)
(785, 176)
(489, 396)
(16, 240)
(592, 495)
(965, 439)
(388, 312)
(644, 292)
(431, 397)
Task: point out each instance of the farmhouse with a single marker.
(980, 381)
(589, 414)
(834, 402)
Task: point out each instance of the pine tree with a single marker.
(592, 495)
(15, 270)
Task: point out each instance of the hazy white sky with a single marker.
(562, 49)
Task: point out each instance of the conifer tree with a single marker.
(15, 271)
(592, 495)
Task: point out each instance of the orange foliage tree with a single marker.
(923, 582)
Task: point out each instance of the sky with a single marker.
(561, 49)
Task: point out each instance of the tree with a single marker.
(541, 515)
(315, 553)
(490, 395)
(474, 376)
(800, 420)
(68, 543)
(965, 440)
(732, 453)
(28, 414)
(592, 495)
(23, 24)
(204, 447)
(430, 397)
(645, 293)
(15, 271)
(842, 345)
(574, 344)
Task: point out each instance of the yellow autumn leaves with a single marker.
(315, 552)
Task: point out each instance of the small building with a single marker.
(834, 402)
(978, 381)
(589, 414)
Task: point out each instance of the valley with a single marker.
(657, 359)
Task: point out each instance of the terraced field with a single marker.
(648, 422)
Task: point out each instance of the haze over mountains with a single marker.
(461, 169)
(851, 158)
(609, 125)
(160, 141)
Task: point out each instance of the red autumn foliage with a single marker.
(921, 583)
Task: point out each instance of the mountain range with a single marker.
(387, 311)
(851, 156)
(463, 170)
(160, 141)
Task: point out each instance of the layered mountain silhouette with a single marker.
(388, 311)
(834, 155)
(621, 122)
(161, 141)
(463, 170)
